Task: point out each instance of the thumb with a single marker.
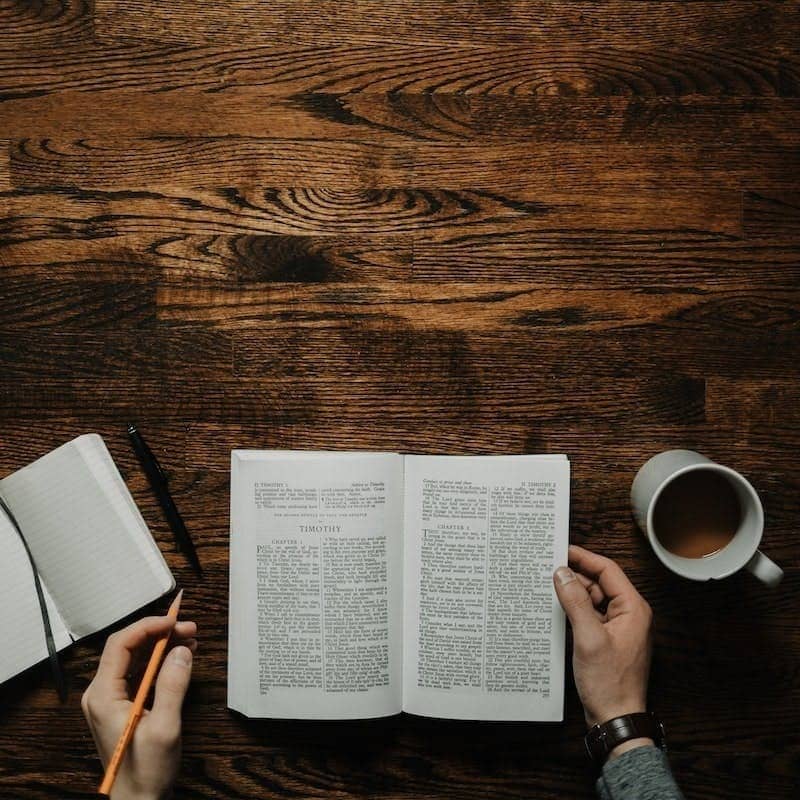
(576, 602)
(171, 686)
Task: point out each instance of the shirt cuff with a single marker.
(642, 773)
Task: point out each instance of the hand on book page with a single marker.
(612, 636)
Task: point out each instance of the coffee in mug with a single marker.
(702, 519)
(697, 514)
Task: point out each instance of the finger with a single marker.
(171, 687)
(576, 603)
(184, 628)
(119, 651)
(141, 659)
(612, 580)
(141, 656)
(591, 586)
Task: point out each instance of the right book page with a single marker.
(483, 630)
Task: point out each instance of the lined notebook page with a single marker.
(21, 627)
(91, 545)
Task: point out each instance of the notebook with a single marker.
(96, 558)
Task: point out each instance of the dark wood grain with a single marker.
(73, 304)
(440, 227)
(772, 213)
(441, 22)
(643, 120)
(543, 69)
(143, 223)
(395, 118)
(187, 162)
(496, 166)
(45, 21)
(5, 165)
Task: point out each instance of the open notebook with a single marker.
(96, 558)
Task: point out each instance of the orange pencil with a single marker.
(138, 702)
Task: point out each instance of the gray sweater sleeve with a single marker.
(640, 774)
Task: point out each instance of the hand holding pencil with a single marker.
(151, 756)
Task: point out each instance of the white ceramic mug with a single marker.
(742, 550)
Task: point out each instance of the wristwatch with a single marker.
(601, 739)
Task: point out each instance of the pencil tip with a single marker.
(175, 606)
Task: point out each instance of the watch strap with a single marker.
(601, 739)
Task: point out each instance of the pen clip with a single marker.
(133, 432)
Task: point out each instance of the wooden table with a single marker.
(432, 227)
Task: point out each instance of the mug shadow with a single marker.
(720, 645)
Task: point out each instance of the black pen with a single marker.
(158, 483)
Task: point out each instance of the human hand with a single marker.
(611, 646)
(151, 762)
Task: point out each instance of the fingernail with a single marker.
(182, 655)
(565, 575)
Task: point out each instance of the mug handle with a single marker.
(765, 569)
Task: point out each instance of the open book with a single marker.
(365, 584)
(96, 558)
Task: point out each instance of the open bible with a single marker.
(366, 584)
(96, 559)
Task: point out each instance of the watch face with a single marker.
(596, 741)
(662, 736)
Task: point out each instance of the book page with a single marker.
(92, 547)
(483, 630)
(315, 584)
(21, 625)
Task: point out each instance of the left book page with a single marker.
(315, 622)
(21, 626)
